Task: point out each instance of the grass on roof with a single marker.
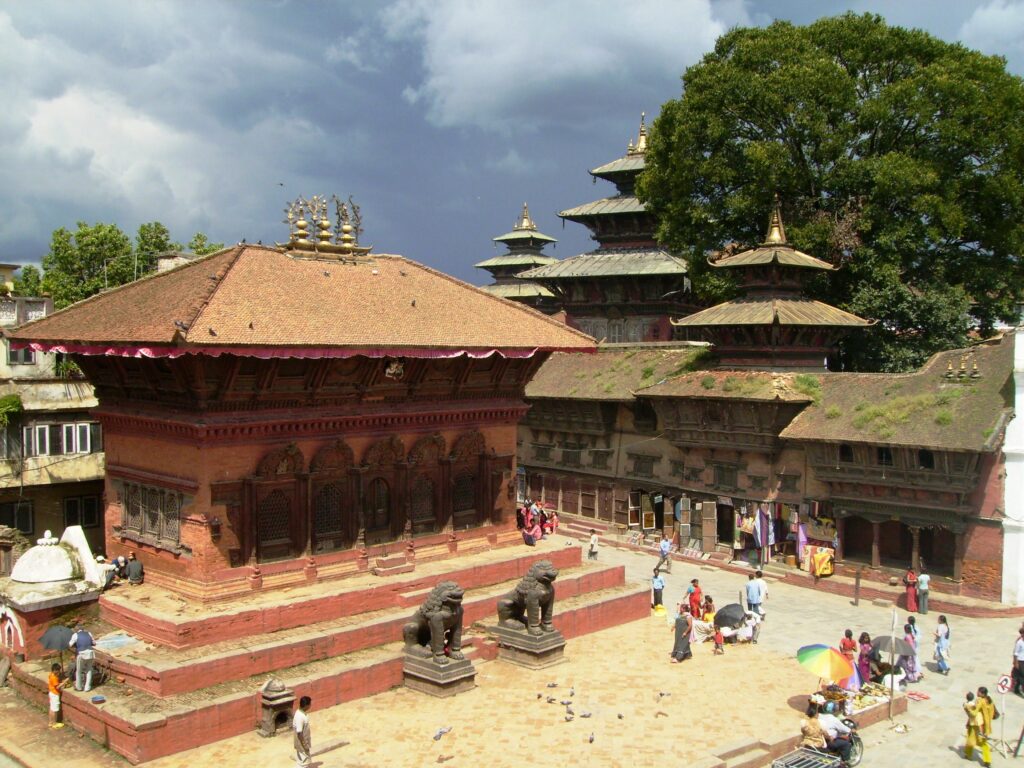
(808, 385)
(882, 418)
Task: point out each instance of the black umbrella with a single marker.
(732, 615)
(57, 638)
(895, 645)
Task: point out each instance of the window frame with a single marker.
(81, 502)
(18, 507)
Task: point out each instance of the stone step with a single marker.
(394, 570)
(166, 672)
(163, 617)
(141, 727)
(755, 757)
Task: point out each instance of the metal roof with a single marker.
(516, 260)
(617, 204)
(767, 311)
(524, 234)
(768, 254)
(517, 290)
(628, 164)
(612, 262)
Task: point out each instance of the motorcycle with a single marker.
(856, 745)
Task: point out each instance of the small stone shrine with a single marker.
(276, 703)
(525, 633)
(434, 662)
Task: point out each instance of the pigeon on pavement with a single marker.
(441, 732)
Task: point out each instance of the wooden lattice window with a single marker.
(152, 512)
(327, 511)
(273, 518)
(423, 519)
(464, 494)
(378, 504)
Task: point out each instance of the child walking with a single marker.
(719, 642)
(53, 684)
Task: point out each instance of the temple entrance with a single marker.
(377, 511)
(329, 528)
(274, 536)
(938, 551)
(857, 537)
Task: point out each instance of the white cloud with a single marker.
(509, 66)
(511, 163)
(997, 28)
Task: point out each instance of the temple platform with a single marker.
(186, 674)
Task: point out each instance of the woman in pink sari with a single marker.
(910, 580)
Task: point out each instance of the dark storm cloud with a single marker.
(441, 117)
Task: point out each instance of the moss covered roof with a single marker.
(614, 373)
(739, 385)
(940, 406)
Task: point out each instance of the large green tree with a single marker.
(896, 154)
(29, 282)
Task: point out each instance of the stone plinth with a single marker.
(442, 680)
(532, 651)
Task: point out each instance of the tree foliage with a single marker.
(29, 282)
(897, 154)
(95, 257)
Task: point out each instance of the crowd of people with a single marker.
(535, 523)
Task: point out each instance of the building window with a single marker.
(846, 453)
(884, 456)
(643, 466)
(677, 468)
(571, 454)
(464, 495)
(18, 514)
(644, 417)
(925, 459)
(787, 483)
(36, 440)
(82, 510)
(695, 474)
(725, 476)
(599, 458)
(58, 439)
(757, 482)
(76, 438)
(378, 504)
(616, 330)
(152, 512)
(24, 356)
(541, 452)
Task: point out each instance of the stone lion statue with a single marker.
(437, 624)
(531, 604)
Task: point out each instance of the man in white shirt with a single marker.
(922, 591)
(762, 589)
(303, 741)
(1018, 664)
(837, 732)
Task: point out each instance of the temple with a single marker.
(772, 326)
(525, 251)
(278, 415)
(629, 287)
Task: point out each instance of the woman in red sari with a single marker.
(910, 580)
(696, 598)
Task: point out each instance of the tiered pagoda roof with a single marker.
(525, 244)
(772, 325)
(620, 223)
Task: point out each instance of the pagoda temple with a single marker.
(773, 326)
(313, 409)
(626, 289)
(525, 245)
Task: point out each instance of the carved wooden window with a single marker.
(846, 453)
(678, 468)
(571, 454)
(599, 458)
(694, 474)
(787, 483)
(378, 504)
(541, 452)
(725, 476)
(327, 512)
(464, 494)
(643, 466)
(925, 459)
(273, 520)
(151, 512)
(883, 456)
(422, 506)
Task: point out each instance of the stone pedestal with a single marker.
(442, 680)
(276, 702)
(532, 651)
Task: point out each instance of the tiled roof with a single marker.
(735, 385)
(925, 408)
(768, 254)
(766, 311)
(516, 260)
(613, 373)
(605, 206)
(612, 262)
(254, 298)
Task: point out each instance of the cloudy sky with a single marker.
(439, 116)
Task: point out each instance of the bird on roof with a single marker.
(212, 332)
(441, 732)
(180, 325)
(591, 739)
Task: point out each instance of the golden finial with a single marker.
(776, 231)
(525, 222)
(975, 373)
(949, 370)
(345, 235)
(641, 140)
(963, 367)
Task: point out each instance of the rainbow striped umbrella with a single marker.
(827, 663)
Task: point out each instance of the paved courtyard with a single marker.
(749, 693)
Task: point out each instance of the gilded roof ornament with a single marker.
(525, 222)
(641, 140)
(340, 243)
(776, 231)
